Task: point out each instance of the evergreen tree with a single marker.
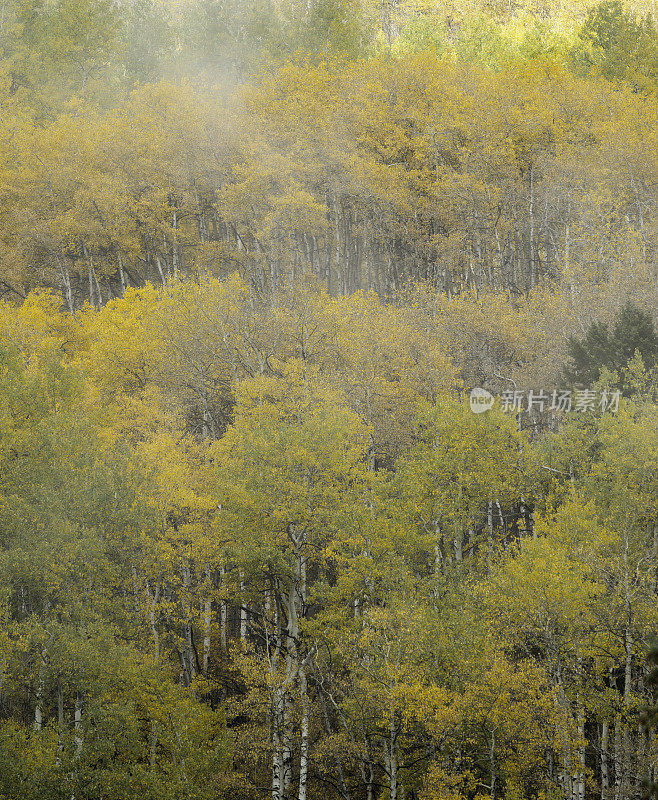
(618, 45)
(633, 332)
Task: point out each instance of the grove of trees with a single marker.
(254, 542)
(260, 547)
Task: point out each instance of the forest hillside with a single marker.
(328, 382)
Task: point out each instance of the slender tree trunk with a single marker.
(370, 776)
(66, 284)
(392, 748)
(605, 775)
(159, 266)
(153, 604)
(533, 277)
(567, 254)
(243, 612)
(618, 758)
(190, 657)
(492, 765)
(38, 709)
(77, 725)
(60, 724)
(122, 276)
(303, 760)
(654, 559)
(277, 751)
(207, 618)
(490, 543)
(580, 777)
(625, 783)
(291, 671)
(223, 611)
(174, 248)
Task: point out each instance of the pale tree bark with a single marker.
(303, 759)
(301, 670)
(393, 751)
(654, 559)
(174, 254)
(618, 758)
(277, 753)
(159, 266)
(77, 725)
(190, 656)
(122, 276)
(579, 782)
(153, 604)
(66, 284)
(533, 276)
(207, 619)
(153, 600)
(624, 781)
(38, 709)
(60, 724)
(565, 772)
(490, 543)
(605, 774)
(567, 253)
(243, 612)
(492, 765)
(290, 672)
(223, 611)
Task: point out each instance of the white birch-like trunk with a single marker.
(207, 619)
(190, 657)
(490, 530)
(66, 285)
(91, 288)
(60, 725)
(605, 774)
(579, 789)
(122, 276)
(303, 759)
(654, 559)
(38, 709)
(77, 725)
(175, 243)
(223, 611)
(393, 755)
(153, 603)
(567, 254)
(618, 758)
(492, 765)
(277, 752)
(243, 612)
(532, 228)
(159, 266)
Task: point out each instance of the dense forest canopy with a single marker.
(256, 539)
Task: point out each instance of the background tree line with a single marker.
(486, 155)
